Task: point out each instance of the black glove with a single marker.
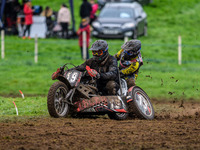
(98, 76)
(122, 75)
(116, 57)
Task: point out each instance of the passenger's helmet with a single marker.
(99, 48)
(132, 47)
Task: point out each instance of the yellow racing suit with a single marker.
(129, 66)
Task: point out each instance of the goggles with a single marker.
(97, 53)
(130, 53)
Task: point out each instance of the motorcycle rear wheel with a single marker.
(55, 100)
(141, 105)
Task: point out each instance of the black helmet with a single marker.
(99, 45)
(132, 46)
(99, 50)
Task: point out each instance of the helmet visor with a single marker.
(130, 53)
(97, 53)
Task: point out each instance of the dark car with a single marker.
(119, 20)
(101, 3)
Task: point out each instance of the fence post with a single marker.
(2, 45)
(36, 49)
(84, 45)
(125, 39)
(179, 50)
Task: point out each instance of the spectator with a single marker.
(85, 9)
(93, 12)
(84, 26)
(28, 12)
(48, 13)
(20, 22)
(64, 18)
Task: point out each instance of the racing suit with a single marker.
(129, 66)
(108, 83)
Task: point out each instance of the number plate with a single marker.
(110, 31)
(73, 77)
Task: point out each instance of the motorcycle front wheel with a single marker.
(56, 104)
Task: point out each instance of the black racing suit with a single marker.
(108, 83)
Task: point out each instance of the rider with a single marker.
(130, 61)
(105, 65)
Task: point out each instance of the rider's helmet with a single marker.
(132, 47)
(99, 49)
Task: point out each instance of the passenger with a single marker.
(130, 61)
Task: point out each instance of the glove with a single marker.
(98, 76)
(116, 57)
(122, 75)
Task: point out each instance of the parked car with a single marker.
(101, 3)
(117, 20)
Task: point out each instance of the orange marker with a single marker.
(15, 108)
(21, 94)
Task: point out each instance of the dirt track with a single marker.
(176, 126)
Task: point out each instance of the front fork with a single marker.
(69, 96)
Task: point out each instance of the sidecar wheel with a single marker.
(118, 116)
(141, 105)
(55, 100)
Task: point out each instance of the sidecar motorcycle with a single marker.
(76, 94)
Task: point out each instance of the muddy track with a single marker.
(176, 126)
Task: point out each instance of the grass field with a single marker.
(160, 76)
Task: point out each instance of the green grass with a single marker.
(160, 76)
(30, 106)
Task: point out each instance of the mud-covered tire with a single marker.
(55, 100)
(118, 116)
(141, 106)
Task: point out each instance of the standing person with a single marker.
(85, 9)
(94, 10)
(130, 61)
(28, 12)
(64, 18)
(47, 13)
(105, 65)
(84, 26)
